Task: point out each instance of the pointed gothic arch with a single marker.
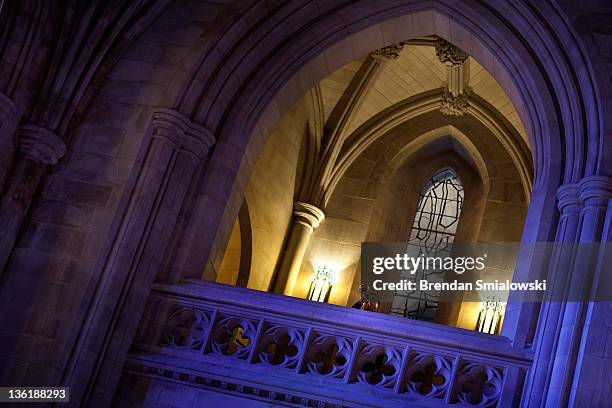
(229, 92)
(432, 234)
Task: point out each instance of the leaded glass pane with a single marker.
(433, 232)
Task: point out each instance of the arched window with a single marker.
(433, 233)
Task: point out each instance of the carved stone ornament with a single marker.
(330, 355)
(40, 144)
(454, 105)
(281, 346)
(595, 190)
(271, 342)
(568, 199)
(178, 129)
(389, 52)
(479, 385)
(186, 328)
(449, 54)
(308, 214)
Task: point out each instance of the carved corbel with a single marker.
(455, 99)
(40, 145)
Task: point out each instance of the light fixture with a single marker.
(321, 284)
(490, 315)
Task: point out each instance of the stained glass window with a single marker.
(432, 234)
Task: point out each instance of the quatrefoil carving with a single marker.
(329, 355)
(281, 346)
(378, 365)
(186, 328)
(233, 337)
(479, 385)
(428, 375)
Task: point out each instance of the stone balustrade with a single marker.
(270, 347)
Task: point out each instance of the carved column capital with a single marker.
(170, 125)
(595, 190)
(40, 145)
(7, 110)
(198, 140)
(178, 129)
(568, 199)
(308, 214)
(390, 52)
(455, 105)
(449, 54)
(306, 217)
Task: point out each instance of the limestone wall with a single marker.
(270, 195)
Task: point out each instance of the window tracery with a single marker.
(433, 233)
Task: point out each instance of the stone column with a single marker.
(8, 118)
(169, 164)
(591, 377)
(306, 217)
(547, 336)
(595, 192)
(37, 148)
(8, 110)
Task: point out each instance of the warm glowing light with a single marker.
(321, 284)
(490, 315)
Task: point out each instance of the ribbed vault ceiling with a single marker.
(417, 70)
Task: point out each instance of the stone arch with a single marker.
(427, 155)
(455, 22)
(544, 94)
(235, 268)
(228, 90)
(476, 157)
(246, 245)
(425, 166)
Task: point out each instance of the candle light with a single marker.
(490, 316)
(321, 285)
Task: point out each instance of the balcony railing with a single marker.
(296, 352)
